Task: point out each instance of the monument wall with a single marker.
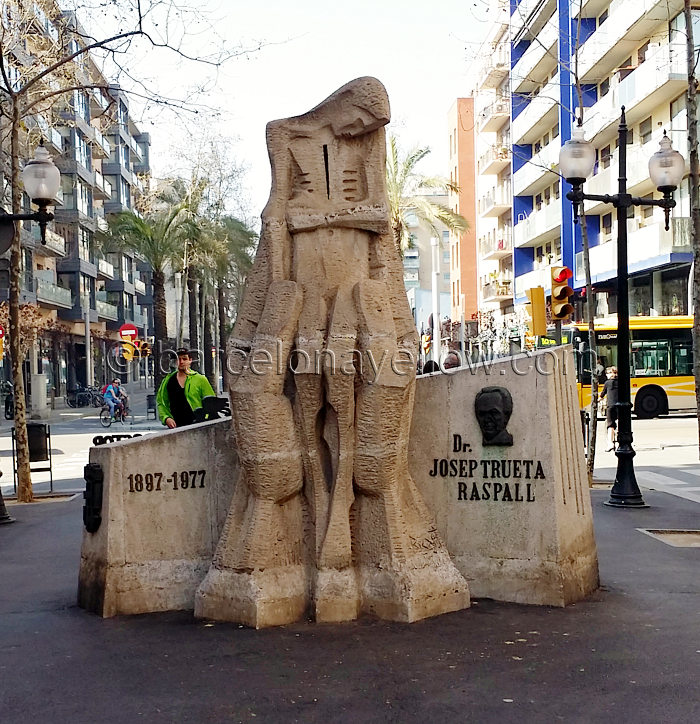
(516, 518)
(164, 501)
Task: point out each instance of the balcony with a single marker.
(55, 243)
(100, 145)
(653, 82)
(538, 55)
(538, 226)
(609, 44)
(102, 224)
(645, 244)
(496, 245)
(98, 103)
(539, 171)
(496, 202)
(140, 287)
(494, 160)
(51, 135)
(105, 270)
(497, 290)
(52, 294)
(536, 278)
(531, 13)
(539, 116)
(495, 68)
(106, 310)
(493, 117)
(140, 320)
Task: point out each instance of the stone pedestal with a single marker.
(516, 518)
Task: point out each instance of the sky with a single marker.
(420, 51)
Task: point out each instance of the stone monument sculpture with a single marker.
(326, 517)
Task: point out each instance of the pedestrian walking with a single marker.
(181, 393)
(609, 393)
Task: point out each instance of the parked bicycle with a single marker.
(79, 397)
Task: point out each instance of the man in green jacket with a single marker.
(181, 393)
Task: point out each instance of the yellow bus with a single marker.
(661, 362)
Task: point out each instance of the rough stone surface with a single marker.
(327, 493)
(152, 551)
(154, 546)
(326, 516)
(535, 543)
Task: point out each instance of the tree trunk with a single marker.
(593, 351)
(192, 311)
(199, 316)
(223, 340)
(208, 340)
(25, 493)
(694, 199)
(160, 328)
(181, 322)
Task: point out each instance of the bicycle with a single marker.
(79, 397)
(121, 412)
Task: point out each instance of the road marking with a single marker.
(657, 479)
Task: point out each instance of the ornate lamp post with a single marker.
(41, 182)
(666, 168)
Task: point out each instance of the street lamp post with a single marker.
(41, 182)
(666, 168)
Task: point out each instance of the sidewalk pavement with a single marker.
(629, 653)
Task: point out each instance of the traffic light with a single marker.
(145, 349)
(561, 291)
(2, 348)
(427, 341)
(128, 351)
(537, 319)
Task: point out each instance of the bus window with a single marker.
(683, 358)
(651, 359)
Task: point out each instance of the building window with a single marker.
(547, 196)
(647, 211)
(84, 243)
(645, 130)
(538, 201)
(603, 17)
(446, 276)
(606, 224)
(642, 53)
(555, 188)
(555, 132)
(605, 156)
(604, 88)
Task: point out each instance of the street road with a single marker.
(666, 459)
(71, 438)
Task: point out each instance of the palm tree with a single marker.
(158, 240)
(406, 189)
(231, 250)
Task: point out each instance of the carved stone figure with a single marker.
(327, 517)
(493, 407)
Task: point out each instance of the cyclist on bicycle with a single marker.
(112, 397)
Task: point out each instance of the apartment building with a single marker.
(103, 159)
(418, 267)
(625, 52)
(494, 217)
(463, 251)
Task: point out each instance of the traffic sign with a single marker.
(2, 332)
(128, 331)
